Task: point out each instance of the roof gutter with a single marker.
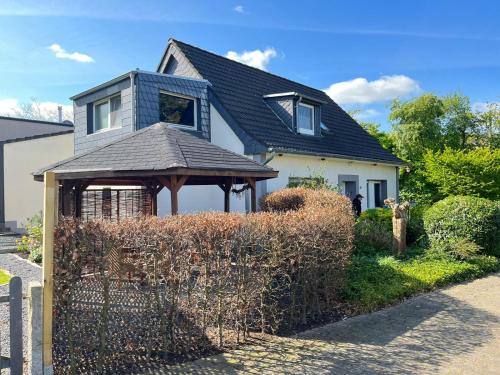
(340, 156)
(132, 75)
(101, 86)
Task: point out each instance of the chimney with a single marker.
(59, 112)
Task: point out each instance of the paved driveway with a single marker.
(452, 331)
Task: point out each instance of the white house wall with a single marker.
(207, 198)
(303, 166)
(23, 195)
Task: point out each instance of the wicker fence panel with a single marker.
(111, 204)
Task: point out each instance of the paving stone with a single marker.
(451, 331)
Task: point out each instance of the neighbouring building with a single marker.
(297, 130)
(26, 146)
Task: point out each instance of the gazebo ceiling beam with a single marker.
(105, 175)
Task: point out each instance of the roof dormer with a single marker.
(299, 112)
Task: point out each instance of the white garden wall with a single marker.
(24, 196)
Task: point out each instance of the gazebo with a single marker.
(153, 158)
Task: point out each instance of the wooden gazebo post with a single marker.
(226, 188)
(50, 213)
(253, 193)
(173, 183)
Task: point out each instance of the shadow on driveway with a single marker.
(418, 336)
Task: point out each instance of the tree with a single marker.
(36, 110)
(417, 126)
(464, 172)
(489, 126)
(382, 137)
(459, 125)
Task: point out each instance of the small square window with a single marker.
(107, 113)
(305, 118)
(177, 110)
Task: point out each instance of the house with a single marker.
(25, 146)
(294, 129)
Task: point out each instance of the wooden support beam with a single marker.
(253, 193)
(226, 188)
(173, 183)
(67, 188)
(50, 212)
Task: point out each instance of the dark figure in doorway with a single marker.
(356, 204)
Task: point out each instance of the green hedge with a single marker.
(381, 215)
(462, 217)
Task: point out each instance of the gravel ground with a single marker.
(15, 266)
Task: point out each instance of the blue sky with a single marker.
(371, 52)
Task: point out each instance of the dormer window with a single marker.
(305, 119)
(107, 113)
(178, 110)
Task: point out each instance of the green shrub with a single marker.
(458, 248)
(374, 234)
(461, 217)
(377, 281)
(381, 215)
(415, 231)
(31, 242)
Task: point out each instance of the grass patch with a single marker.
(4, 277)
(379, 279)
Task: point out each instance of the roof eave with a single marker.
(110, 174)
(340, 156)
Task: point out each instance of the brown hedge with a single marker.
(160, 289)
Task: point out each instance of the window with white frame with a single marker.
(305, 118)
(178, 109)
(108, 113)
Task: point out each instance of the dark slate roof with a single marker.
(240, 89)
(159, 147)
(18, 129)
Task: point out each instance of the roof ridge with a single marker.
(251, 67)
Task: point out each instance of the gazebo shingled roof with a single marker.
(158, 156)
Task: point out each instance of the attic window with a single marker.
(177, 109)
(107, 113)
(305, 119)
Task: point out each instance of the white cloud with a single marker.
(61, 53)
(239, 9)
(362, 91)
(257, 58)
(366, 114)
(8, 107)
(35, 110)
(483, 106)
